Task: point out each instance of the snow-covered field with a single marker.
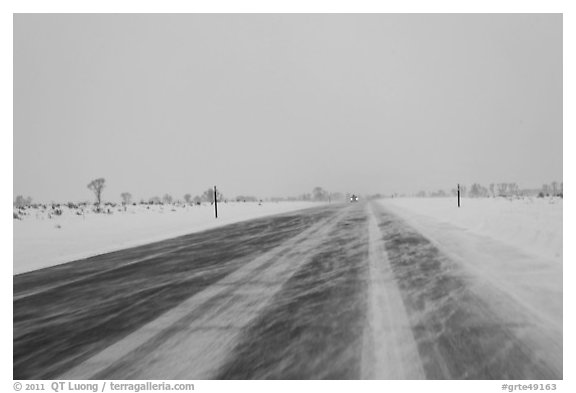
(533, 225)
(40, 241)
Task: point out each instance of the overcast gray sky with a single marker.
(273, 105)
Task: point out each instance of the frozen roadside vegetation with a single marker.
(533, 225)
(46, 236)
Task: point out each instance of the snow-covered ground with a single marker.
(406, 296)
(40, 241)
(533, 225)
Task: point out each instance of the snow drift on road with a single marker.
(40, 241)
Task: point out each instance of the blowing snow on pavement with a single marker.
(354, 291)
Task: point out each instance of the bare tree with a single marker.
(167, 199)
(20, 201)
(126, 198)
(208, 195)
(187, 198)
(554, 186)
(502, 189)
(513, 189)
(96, 186)
(492, 190)
(319, 194)
(475, 190)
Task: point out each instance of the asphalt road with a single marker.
(338, 292)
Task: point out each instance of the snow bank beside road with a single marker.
(41, 242)
(533, 225)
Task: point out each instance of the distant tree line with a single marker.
(98, 185)
(552, 189)
(476, 190)
(321, 195)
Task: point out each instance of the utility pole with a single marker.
(215, 203)
(458, 195)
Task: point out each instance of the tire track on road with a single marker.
(62, 326)
(457, 333)
(193, 339)
(522, 289)
(313, 327)
(390, 350)
(58, 277)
